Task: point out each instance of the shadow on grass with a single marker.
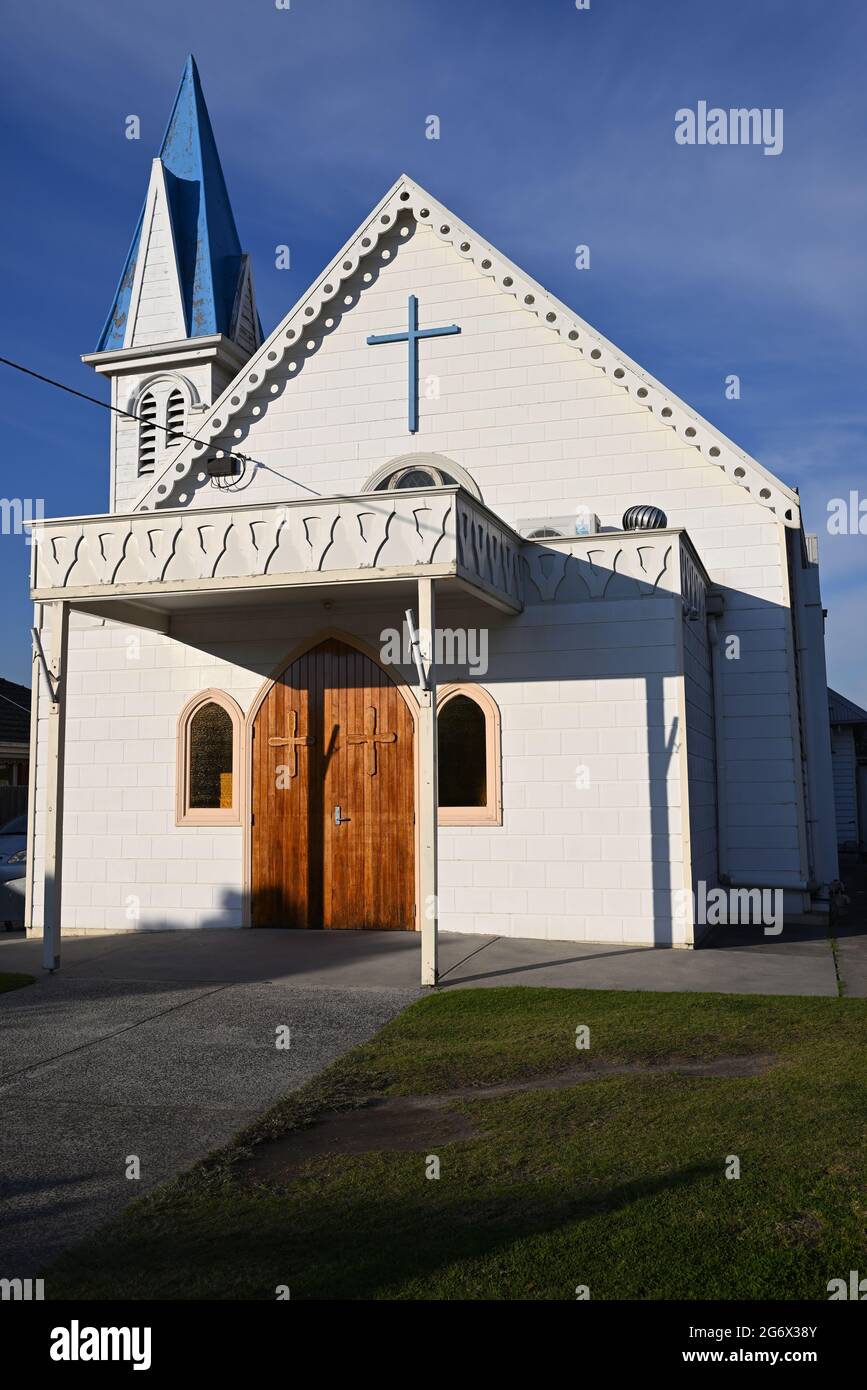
(237, 1243)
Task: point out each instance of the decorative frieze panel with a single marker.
(489, 552)
(438, 531)
(693, 585)
(442, 529)
(620, 565)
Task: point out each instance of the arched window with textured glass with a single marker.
(209, 751)
(468, 757)
(421, 476)
(421, 470)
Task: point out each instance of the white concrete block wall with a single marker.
(845, 771)
(123, 853)
(575, 862)
(589, 685)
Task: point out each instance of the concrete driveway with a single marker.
(162, 1044)
(162, 1056)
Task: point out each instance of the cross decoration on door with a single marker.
(371, 738)
(293, 743)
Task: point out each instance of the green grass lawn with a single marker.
(9, 981)
(617, 1182)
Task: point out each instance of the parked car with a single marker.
(13, 868)
(13, 849)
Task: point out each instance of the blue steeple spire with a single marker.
(209, 257)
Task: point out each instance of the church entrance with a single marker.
(333, 796)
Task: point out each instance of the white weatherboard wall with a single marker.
(542, 431)
(590, 686)
(844, 765)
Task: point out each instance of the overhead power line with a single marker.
(130, 415)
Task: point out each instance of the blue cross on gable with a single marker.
(411, 337)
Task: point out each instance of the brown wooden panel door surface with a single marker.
(333, 732)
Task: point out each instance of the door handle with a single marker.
(339, 818)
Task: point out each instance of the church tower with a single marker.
(183, 321)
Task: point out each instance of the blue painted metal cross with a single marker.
(411, 337)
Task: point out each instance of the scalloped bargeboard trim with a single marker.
(408, 197)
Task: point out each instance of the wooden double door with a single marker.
(333, 797)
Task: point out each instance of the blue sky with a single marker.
(557, 128)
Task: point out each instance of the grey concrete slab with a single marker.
(96, 1069)
(62, 1015)
(852, 960)
(749, 969)
(63, 1167)
(800, 961)
(850, 931)
(339, 959)
(216, 1050)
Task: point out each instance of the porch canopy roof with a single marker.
(140, 567)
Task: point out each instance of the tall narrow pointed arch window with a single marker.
(209, 760)
(468, 757)
(147, 434)
(175, 417)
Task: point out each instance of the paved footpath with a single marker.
(162, 1044)
(111, 1057)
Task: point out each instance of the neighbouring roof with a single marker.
(408, 197)
(210, 260)
(843, 711)
(14, 713)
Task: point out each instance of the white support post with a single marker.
(428, 906)
(54, 768)
(32, 783)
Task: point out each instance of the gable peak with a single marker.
(407, 198)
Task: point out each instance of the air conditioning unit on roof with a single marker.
(543, 528)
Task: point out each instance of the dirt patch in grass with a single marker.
(413, 1124)
(595, 1070)
(806, 1229)
(408, 1124)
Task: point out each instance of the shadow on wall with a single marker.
(662, 744)
(615, 653)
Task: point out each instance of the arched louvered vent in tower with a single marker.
(175, 417)
(147, 435)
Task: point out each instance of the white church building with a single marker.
(429, 610)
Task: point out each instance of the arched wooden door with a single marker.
(333, 797)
